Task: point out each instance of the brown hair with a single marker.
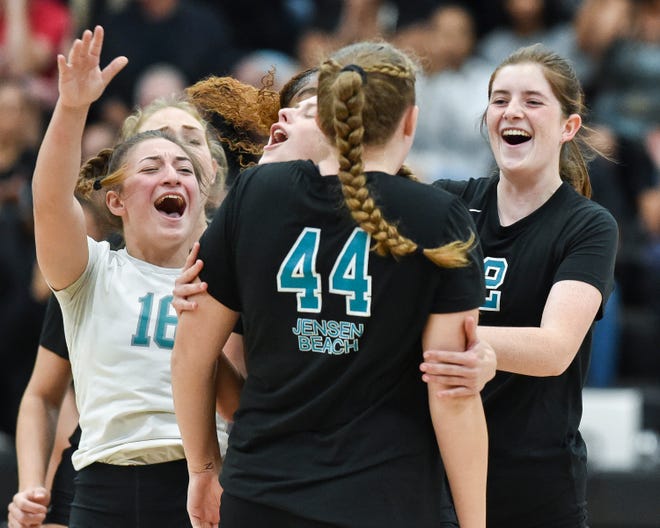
(240, 112)
(301, 83)
(567, 89)
(363, 92)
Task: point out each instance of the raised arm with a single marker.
(201, 334)
(60, 230)
(460, 426)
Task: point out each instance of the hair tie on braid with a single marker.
(97, 184)
(357, 69)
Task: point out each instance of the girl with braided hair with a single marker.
(52, 370)
(334, 426)
(119, 325)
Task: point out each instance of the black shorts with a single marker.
(61, 493)
(150, 496)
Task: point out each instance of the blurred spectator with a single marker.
(254, 67)
(527, 22)
(21, 312)
(627, 99)
(597, 24)
(20, 129)
(96, 137)
(336, 23)
(617, 37)
(86, 12)
(183, 33)
(274, 25)
(32, 33)
(625, 36)
(158, 80)
(448, 142)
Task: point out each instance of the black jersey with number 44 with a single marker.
(537, 462)
(333, 423)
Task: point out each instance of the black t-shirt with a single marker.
(333, 423)
(537, 462)
(52, 331)
(52, 338)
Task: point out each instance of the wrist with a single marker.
(211, 467)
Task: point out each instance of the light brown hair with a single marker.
(364, 90)
(567, 89)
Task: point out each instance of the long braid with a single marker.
(349, 131)
(406, 172)
(346, 95)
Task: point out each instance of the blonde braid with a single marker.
(349, 131)
(406, 172)
(363, 93)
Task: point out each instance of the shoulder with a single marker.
(403, 189)
(582, 210)
(280, 169)
(466, 189)
(274, 177)
(424, 212)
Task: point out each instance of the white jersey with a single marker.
(119, 326)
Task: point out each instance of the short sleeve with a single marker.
(591, 253)
(462, 288)
(217, 251)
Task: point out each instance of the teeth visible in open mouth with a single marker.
(279, 136)
(171, 204)
(515, 136)
(515, 133)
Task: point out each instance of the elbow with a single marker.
(226, 404)
(559, 364)
(226, 413)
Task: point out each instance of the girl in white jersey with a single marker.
(52, 370)
(118, 320)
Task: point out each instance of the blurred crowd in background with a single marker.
(613, 44)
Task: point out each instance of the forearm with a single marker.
(35, 435)
(58, 164)
(547, 350)
(529, 350)
(460, 429)
(199, 337)
(59, 224)
(193, 385)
